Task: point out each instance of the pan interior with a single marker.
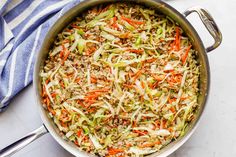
(160, 7)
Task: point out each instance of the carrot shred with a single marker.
(68, 30)
(137, 74)
(156, 77)
(91, 110)
(177, 39)
(47, 81)
(99, 90)
(171, 100)
(66, 55)
(128, 85)
(172, 109)
(63, 124)
(49, 107)
(65, 41)
(93, 79)
(149, 144)
(77, 80)
(132, 22)
(136, 51)
(76, 142)
(140, 132)
(142, 84)
(81, 103)
(92, 96)
(128, 144)
(163, 124)
(74, 26)
(185, 56)
(114, 23)
(79, 132)
(62, 84)
(54, 94)
(154, 85)
(150, 60)
(114, 151)
(62, 51)
(157, 124)
(90, 102)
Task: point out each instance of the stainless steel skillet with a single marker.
(50, 127)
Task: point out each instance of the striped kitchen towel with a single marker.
(23, 26)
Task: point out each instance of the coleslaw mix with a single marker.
(121, 80)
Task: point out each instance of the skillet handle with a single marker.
(209, 23)
(21, 143)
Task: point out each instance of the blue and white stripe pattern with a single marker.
(23, 26)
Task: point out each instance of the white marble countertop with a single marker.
(215, 136)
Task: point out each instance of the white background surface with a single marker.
(215, 136)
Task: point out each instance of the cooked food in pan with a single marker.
(121, 80)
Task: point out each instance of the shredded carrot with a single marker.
(177, 39)
(62, 84)
(158, 78)
(63, 124)
(54, 94)
(137, 74)
(75, 26)
(150, 60)
(92, 96)
(114, 151)
(157, 142)
(47, 81)
(66, 55)
(79, 132)
(110, 70)
(128, 85)
(154, 85)
(90, 51)
(68, 30)
(185, 56)
(132, 22)
(93, 79)
(134, 124)
(99, 90)
(81, 103)
(90, 102)
(49, 107)
(184, 98)
(157, 124)
(128, 144)
(149, 144)
(125, 35)
(91, 110)
(172, 109)
(76, 142)
(77, 80)
(163, 124)
(170, 129)
(70, 74)
(140, 132)
(43, 91)
(114, 23)
(142, 84)
(65, 41)
(62, 51)
(136, 51)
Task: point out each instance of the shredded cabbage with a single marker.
(121, 80)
